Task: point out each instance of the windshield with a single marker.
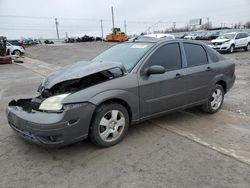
(128, 54)
(227, 36)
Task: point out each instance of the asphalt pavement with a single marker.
(182, 149)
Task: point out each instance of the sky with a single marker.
(36, 18)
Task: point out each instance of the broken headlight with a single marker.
(53, 103)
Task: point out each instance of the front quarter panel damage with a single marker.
(124, 88)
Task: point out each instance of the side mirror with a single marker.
(155, 69)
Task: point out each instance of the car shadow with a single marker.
(86, 147)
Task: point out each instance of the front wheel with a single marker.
(215, 100)
(109, 125)
(231, 49)
(17, 52)
(247, 48)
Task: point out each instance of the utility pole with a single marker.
(67, 35)
(102, 29)
(113, 21)
(56, 22)
(125, 27)
(174, 24)
(208, 24)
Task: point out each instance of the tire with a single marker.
(16, 52)
(215, 100)
(109, 124)
(231, 49)
(247, 48)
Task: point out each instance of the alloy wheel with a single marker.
(232, 49)
(17, 52)
(111, 126)
(216, 100)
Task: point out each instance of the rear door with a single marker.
(245, 39)
(239, 40)
(199, 72)
(167, 91)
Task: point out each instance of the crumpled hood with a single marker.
(78, 70)
(220, 40)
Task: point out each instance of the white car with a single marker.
(160, 35)
(191, 36)
(14, 50)
(231, 41)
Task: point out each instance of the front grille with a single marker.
(217, 43)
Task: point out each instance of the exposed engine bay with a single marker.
(68, 86)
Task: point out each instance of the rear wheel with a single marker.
(247, 48)
(109, 125)
(215, 100)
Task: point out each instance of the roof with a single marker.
(143, 39)
(159, 35)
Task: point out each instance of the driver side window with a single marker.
(168, 56)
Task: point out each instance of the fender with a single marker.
(130, 98)
(218, 78)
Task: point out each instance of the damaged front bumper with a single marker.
(50, 128)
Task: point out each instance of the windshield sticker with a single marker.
(139, 46)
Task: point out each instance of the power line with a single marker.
(85, 19)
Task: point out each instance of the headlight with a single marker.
(53, 103)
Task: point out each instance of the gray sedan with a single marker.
(127, 84)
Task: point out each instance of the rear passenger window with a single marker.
(245, 35)
(195, 54)
(168, 56)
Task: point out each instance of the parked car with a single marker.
(126, 84)
(201, 36)
(16, 43)
(213, 35)
(191, 36)
(231, 41)
(28, 42)
(183, 35)
(48, 42)
(14, 50)
(160, 35)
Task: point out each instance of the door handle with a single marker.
(208, 69)
(178, 76)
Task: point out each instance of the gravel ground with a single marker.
(67, 53)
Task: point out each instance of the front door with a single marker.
(167, 91)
